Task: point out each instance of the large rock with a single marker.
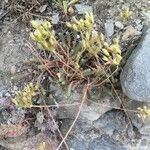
(115, 124)
(135, 77)
(105, 143)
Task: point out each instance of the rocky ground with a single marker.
(109, 118)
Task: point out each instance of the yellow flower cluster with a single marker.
(112, 52)
(94, 42)
(82, 25)
(24, 98)
(44, 35)
(125, 14)
(144, 112)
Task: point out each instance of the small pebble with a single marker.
(15, 88)
(82, 9)
(119, 25)
(55, 18)
(109, 28)
(7, 94)
(78, 36)
(42, 8)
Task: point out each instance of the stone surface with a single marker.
(141, 125)
(115, 124)
(97, 105)
(13, 52)
(78, 143)
(111, 131)
(55, 18)
(119, 25)
(82, 9)
(109, 27)
(105, 143)
(32, 143)
(135, 77)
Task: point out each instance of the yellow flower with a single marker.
(38, 35)
(68, 24)
(47, 25)
(125, 14)
(105, 52)
(95, 43)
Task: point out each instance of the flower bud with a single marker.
(47, 25)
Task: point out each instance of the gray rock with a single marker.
(78, 144)
(105, 143)
(115, 124)
(82, 9)
(91, 111)
(135, 77)
(55, 18)
(112, 131)
(109, 28)
(119, 25)
(143, 125)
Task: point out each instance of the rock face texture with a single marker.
(105, 143)
(135, 77)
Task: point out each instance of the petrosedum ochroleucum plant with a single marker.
(24, 98)
(94, 42)
(44, 35)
